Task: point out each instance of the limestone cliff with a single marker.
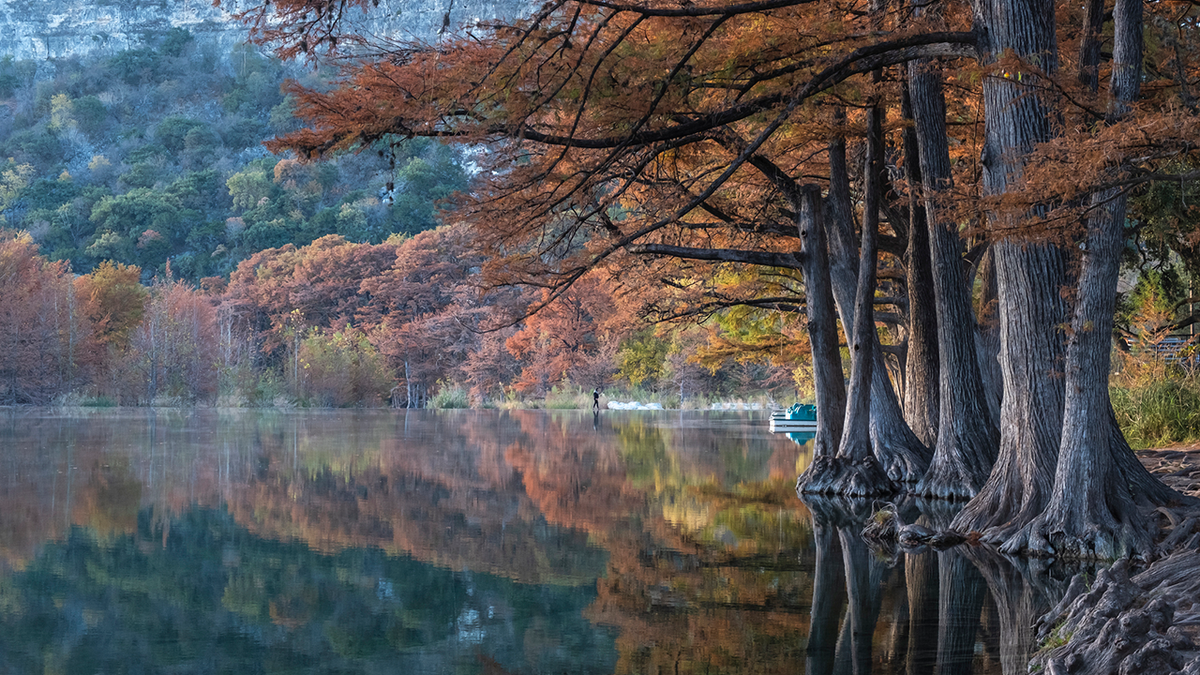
(48, 29)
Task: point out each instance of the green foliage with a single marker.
(566, 396)
(642, 359)
(135, 133)
(134, 66)
(14, 179)
(172, 132)
(343, 368)
(39, 147)
(90, 114)
(175, 42)
(1158, 412)
(449, 396)
(1168, 215)
(249, 188)
(14, 75)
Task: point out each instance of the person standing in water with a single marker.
(596, 399)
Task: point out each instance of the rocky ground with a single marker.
(1177, 467)
(1145, 620)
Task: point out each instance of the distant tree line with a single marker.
(339, 323)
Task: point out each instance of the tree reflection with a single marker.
(523, 540)
(1023, 590)
(952, 612)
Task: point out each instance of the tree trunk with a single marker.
(828, 598)
(1092, 512)
(903, 456)
(822, 337)
(921, 358)
(961, 594)
(1029, 274)
(865, 579)
(967, 435)
(988, 340)
(1022, 594)
(921, 583)
(861, 474)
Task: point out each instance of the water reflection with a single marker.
(480, 541)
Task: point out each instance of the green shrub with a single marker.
(567, 397)
(450, 396)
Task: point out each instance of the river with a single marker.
(244, 541)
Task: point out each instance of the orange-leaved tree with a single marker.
(43, 333)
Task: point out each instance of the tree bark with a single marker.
(921, 359)
(822, 337)
(860, 473)
(967, 435)
(1092, 511)
(903, 456)
(988, 341)
(1029, 274)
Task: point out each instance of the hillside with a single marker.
(153, 154)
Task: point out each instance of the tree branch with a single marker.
(767, 258)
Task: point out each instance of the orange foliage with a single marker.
(320, 282)
(114, 300)
(42, 331)
(573, 338)
(175, 347)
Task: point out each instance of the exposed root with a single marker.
(1077, 536)
(818, 478)
(864, 478)
(1123, 625)
(947, 481)
(904, 458)
(840, 476)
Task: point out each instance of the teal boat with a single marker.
(799, 417)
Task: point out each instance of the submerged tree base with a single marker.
(847, 478)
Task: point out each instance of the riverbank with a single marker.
(1143, 620)
(1178, 467)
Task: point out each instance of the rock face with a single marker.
(50, 29)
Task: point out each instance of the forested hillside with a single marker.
(154, 154)
(155, 252)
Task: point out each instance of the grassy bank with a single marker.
(1157, 400)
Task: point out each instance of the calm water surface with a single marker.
(203, 541)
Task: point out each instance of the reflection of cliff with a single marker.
(475, 507)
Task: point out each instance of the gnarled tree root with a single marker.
(841, 476)
(903, 456)
(1126, 625)
(1081, 536)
